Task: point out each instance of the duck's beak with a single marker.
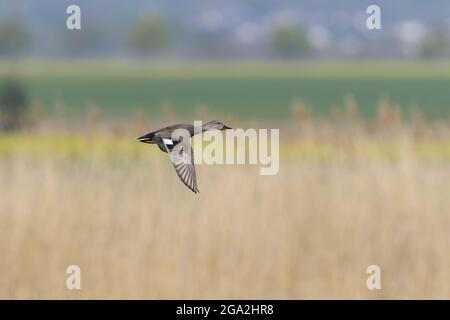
(226, 127)
(146, 138)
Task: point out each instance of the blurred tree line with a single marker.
(13, 104)
(14, 38)
(149, 37)
(436, 44)
(290, 42)
(153, 36)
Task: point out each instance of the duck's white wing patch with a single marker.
(182, 159)
(168, 144)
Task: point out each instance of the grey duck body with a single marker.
(180, 151)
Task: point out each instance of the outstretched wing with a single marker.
(182, 158)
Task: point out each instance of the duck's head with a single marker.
(215, 125)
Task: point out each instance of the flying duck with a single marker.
(171, 141)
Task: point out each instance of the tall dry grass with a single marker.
(347, 196)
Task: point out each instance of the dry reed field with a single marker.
(346, 197)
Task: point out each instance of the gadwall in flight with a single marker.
(179, 149)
